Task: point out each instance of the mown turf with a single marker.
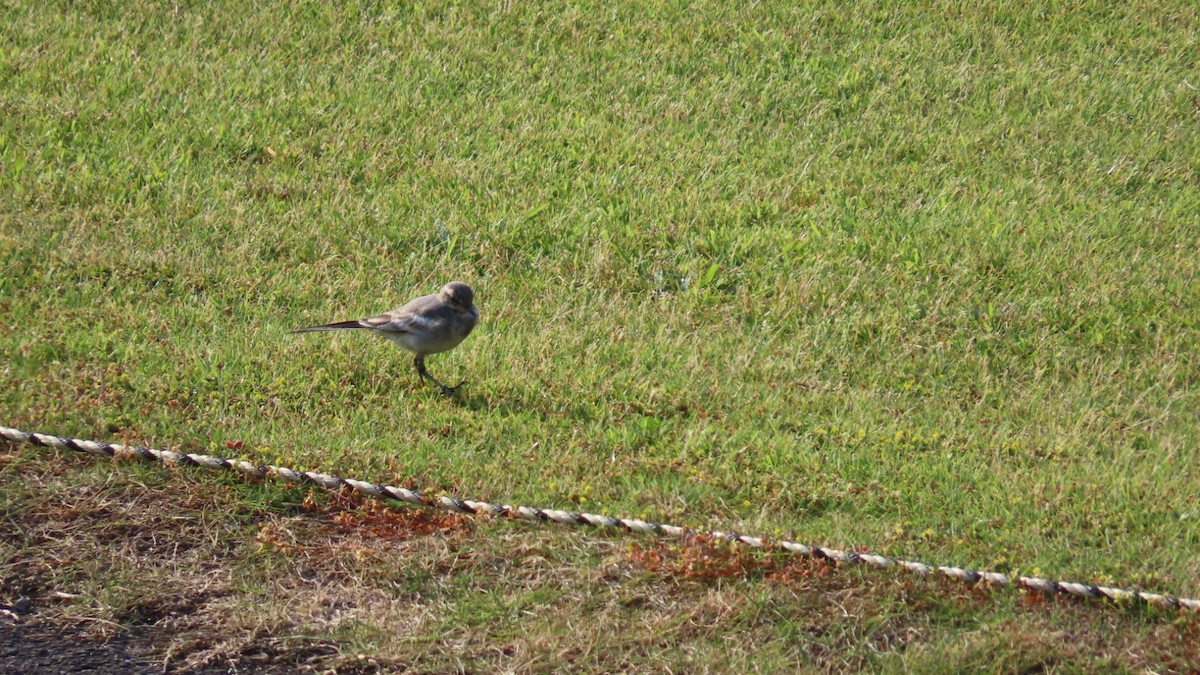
(915, 279)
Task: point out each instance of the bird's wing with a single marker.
(419, 316)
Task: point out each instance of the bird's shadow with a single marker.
(511, 400)
(502, 399)
(461, 395)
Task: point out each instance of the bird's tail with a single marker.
(340, 325)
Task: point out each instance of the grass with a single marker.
(917, 280)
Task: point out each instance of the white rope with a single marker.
(266, 471)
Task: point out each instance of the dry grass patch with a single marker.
(211, 573)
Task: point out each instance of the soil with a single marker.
(36, 650)
(44, 650)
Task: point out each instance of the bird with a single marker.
(427, 325)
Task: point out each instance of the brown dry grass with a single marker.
(213, 572)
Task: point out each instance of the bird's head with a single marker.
(458, 295)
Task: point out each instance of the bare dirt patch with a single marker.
(37, 650)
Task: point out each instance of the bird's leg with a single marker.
(424, 373)
(419, 364)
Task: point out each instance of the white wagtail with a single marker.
(427, 325)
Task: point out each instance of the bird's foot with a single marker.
(450, 391)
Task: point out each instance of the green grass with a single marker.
(922, 281)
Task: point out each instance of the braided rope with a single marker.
(470, 507)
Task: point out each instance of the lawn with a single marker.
(914, 280)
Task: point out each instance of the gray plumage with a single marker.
(428, 325)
